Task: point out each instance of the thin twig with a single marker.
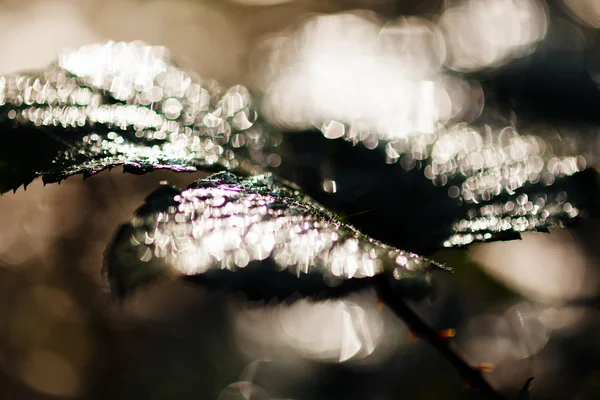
(470, 375)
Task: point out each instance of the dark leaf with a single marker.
(259, 235)
(525, 392)
(500, 152)
(467, 183)
(127, 104)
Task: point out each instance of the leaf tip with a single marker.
(525, 392)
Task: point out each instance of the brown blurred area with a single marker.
(62, 336)
(212, 38)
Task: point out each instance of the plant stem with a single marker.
(472, 376)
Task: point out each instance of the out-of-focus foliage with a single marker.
(127, 104)
(123, 104)
(486, 172)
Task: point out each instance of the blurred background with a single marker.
(529, 307)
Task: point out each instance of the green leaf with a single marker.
(259, 235)
(128, 104)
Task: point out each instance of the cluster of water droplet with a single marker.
(227, 223)
(477, 164)
(135, 106)
(524, 214)
(484, 161)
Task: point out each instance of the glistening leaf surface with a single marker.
(425, 203)
(127, 104)
(258, 235)
(458, 158)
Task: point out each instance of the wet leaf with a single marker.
(128, 104)
(259, 235)
(468, 183)
(459, 158)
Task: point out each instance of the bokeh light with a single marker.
(587, 11)
(487, 34)
(359, 71)
(349, 331)
(550, 268)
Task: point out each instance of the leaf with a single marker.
(466, 183)
(450, 155)
(525, 392)
(259, 235)
(128, 104)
